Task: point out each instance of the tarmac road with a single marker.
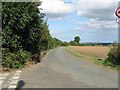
(59, 69)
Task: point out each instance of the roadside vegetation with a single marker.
(25, 34)
(113, 59)
(106, 54)
(102, 55)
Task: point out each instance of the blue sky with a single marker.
(93, 21)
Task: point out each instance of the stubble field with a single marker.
(95, 51)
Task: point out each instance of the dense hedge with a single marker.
(113, 56)
(25, 34)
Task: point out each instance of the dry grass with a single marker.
(95, 51)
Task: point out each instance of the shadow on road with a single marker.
(21, 83)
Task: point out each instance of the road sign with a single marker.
(117, 12)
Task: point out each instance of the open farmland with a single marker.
(95, 51)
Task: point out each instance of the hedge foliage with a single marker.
(113, 56)
(25, 34)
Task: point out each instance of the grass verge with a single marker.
(91, 59)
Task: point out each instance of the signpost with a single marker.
(117, 13)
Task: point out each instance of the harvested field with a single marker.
(95, 51)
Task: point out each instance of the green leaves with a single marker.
(113, 57)
(21, 32)
(25, 33)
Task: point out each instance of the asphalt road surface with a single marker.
(59, 69)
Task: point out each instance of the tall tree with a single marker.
(77, 39)
(23, 30)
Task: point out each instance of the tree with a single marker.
(77, 39)
(24, 33)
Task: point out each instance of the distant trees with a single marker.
(57, 42)
(65, 44)
(76, 41)
(73, 43)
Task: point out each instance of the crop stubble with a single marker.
(95, 51)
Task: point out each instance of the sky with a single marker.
(92, 20)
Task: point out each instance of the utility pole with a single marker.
(117, 13)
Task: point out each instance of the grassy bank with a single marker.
(91, 59)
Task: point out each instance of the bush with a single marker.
(8, 60)
(113, 56)
(14, 60)
(65, 44)
(23, 56)
(73, 43)
(81, 44)
(36, 58)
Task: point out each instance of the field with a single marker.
(95, 51)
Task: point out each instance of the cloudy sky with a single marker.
(92, 20)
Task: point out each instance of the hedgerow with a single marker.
(25, 34)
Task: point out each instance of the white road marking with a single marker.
(12, 86)
(14, 80)
(17, 74)
(1, 81)
(16, 77)
(6, 74)
(2, 78)
(18, 71)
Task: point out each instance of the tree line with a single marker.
(25, 34)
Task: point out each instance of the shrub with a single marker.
(73, 43)
(23, 56)
(36, 58)
(14, 60)
(113, 56)
(8, 60)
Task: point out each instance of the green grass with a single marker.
(91, 59)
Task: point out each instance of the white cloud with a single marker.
(99, 14)
(96, 24)
(103, 9)
(56, 9)
(109, 25)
